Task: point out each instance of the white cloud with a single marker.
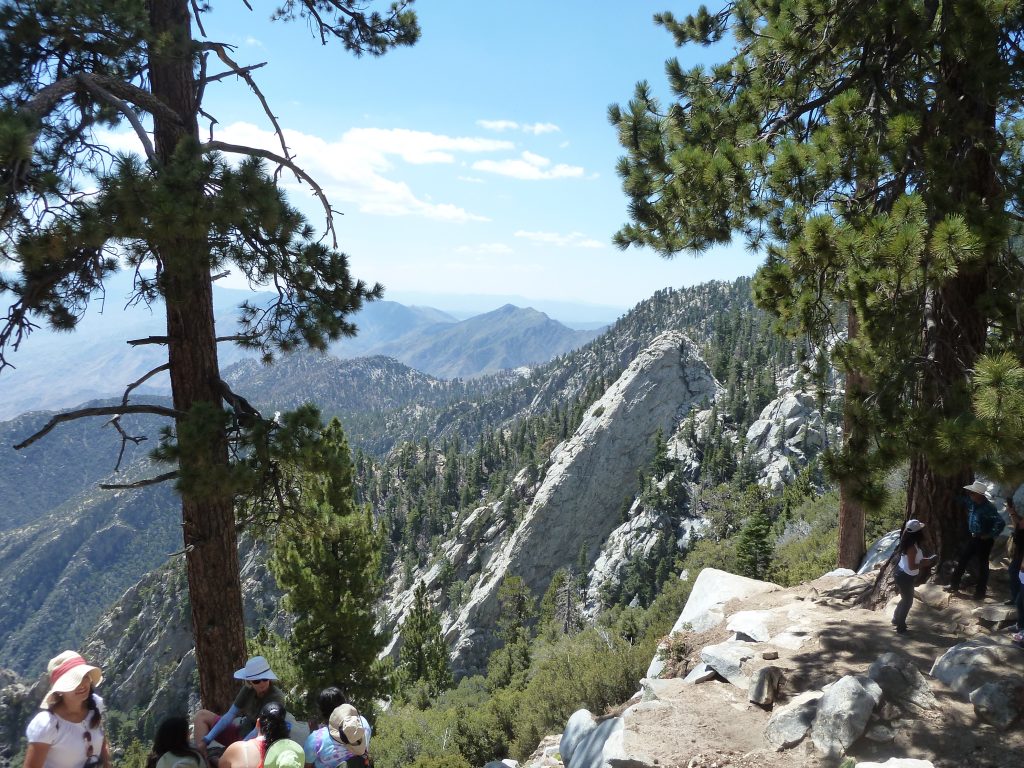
(355, 168)
(536, 160)
(420, 147)
(538, 128)
(253, 42)
(498, 125)
(470, 179)
(571, 240)
(488, 249)
(530, 167)
(511, 125)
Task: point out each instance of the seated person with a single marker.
(239, 722)
(340, 739)
(171, 748)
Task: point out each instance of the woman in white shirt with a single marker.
(68, 731)
(911, 558)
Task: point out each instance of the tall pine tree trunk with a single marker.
(207, 512)
(851, 511)
(964, 142)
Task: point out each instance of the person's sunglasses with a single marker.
(88, 743)
(252, 683)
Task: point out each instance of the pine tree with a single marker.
(754, 548)
(175, 217)
(327, 560)
(508, 665)
(423, 658)
(872, 150)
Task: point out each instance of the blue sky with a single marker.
(479, 161)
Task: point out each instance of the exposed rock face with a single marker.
(902, 682)
(632, 540)
(789, 430)
(843, 713)
(578, 503)
(144, 643)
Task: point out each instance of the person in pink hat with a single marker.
(68, 731)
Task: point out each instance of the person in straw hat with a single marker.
(332, 745)
(984, 523)
(68, 731)
(258, 689)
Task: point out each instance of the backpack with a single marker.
(359, 761)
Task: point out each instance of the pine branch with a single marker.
(140, 483)
(47, 99)
(220, 146)
(108, 410)
(140, 131)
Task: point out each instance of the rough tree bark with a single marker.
(965, 140)
(851, 511)
(208, 516)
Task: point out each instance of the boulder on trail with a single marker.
(843, 713)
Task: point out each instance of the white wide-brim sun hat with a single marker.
(67, 670)
(977, 487)
(256, 668)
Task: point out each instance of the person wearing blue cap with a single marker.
(239, 722)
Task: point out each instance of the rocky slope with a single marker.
(577, 505)
(761, 675)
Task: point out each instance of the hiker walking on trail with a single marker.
(67, 732)
(258, 689)
(911, 559)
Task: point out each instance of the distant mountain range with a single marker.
(60, 532)
(508, 337)
(62, 370)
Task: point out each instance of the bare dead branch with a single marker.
(166, 340)
(125, 439)
(197, 15)
(242, 407)
(249, 68)
(142, 379)
(242, 72)
(46, 100)
(126, 110)
(140, 483)
(147, 340)
(107, 410)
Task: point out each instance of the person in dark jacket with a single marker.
(985, 524)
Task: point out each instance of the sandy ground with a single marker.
(713, 724)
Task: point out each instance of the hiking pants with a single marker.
(1014, 568)
(1020, 608)
(980, 548)
(905, 584)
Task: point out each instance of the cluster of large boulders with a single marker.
(757, 658)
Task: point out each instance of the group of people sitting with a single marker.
(254, 733)
(984, 525)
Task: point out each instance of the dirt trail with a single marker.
(713, 724)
